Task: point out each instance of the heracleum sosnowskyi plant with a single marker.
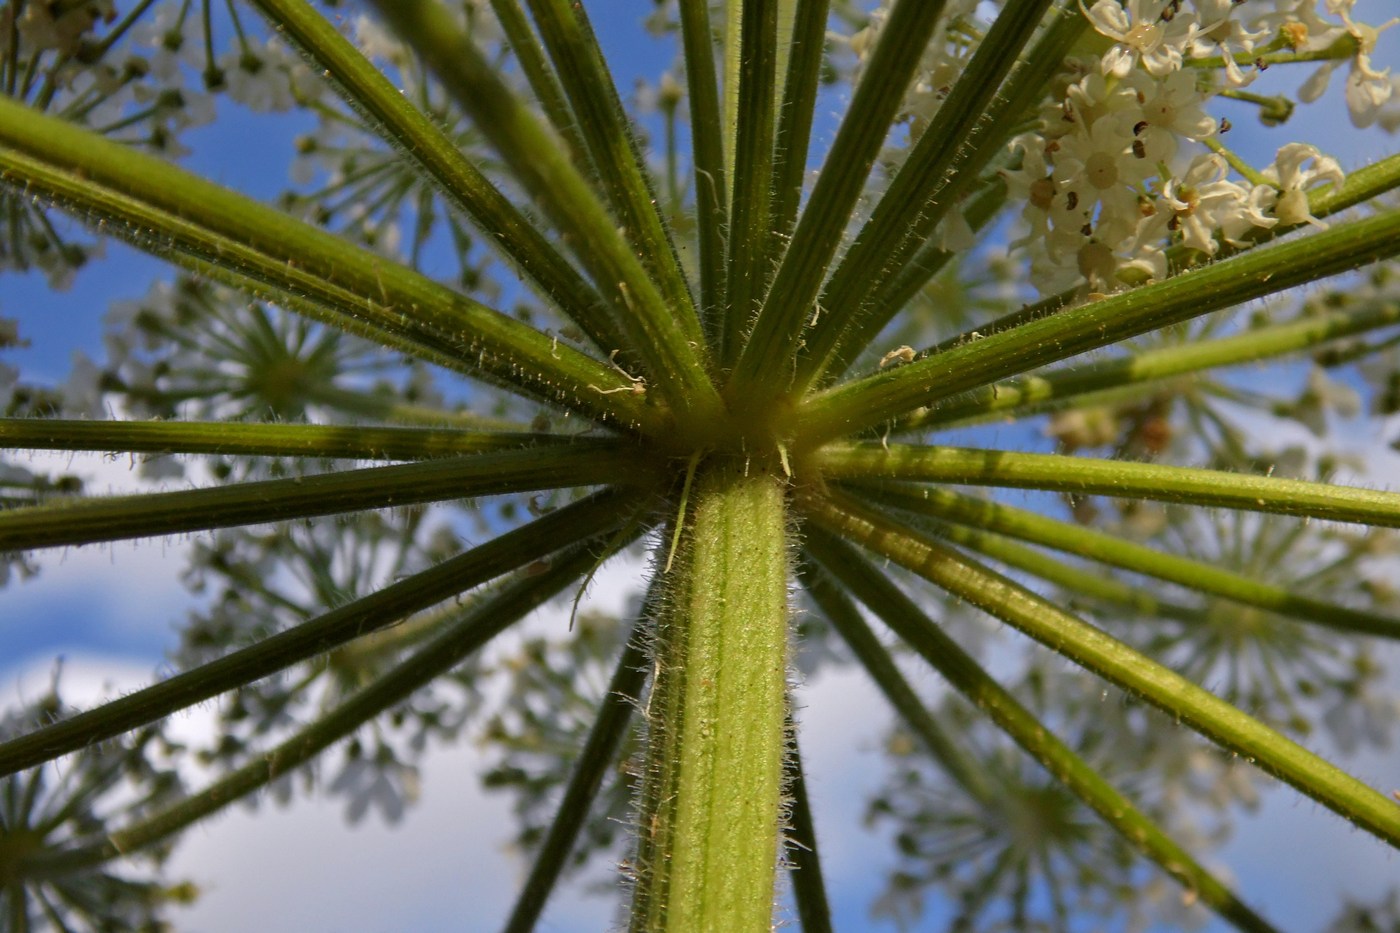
(764, 372)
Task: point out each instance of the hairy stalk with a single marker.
(707, 146)
(588, 518)
(115, 518)
(803, 856)
(777, 332)
(751, 240)
(1121, 478)
(914, 202)
(40, 152)
(1360, 186)
(1148, 369)
(711, 800)
(669, 343)
(606, 130)
(328, 441)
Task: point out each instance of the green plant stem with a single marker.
(439, 158)
(1078, 384)
(1361, 185)
(803, 75)
(1345, 47)
(712, 789)
(1198, 575)
(606, 396)
(479, 622)
(968, 677)
(1216, 719)
(1119, 478)
(233, 439)
(543, 81)
(1241, 167)
(730, 49)
(669, 343)
(115, 518)
(867, 402)
(802, 854)
(707, 146)
(751, 241)
(579, 521)
(778, 330)
(787, 17)
(365, 406)
(598, 756)
(106, 178)
(606, 130)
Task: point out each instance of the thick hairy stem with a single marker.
(712, 796)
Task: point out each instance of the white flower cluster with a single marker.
(260, 72)
(1109, 181)
(1126, 162)
(61, 26)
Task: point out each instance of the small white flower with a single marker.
(1293, 180)
(1142, 36)
(1093, 97)
(954, 233)
(1251, 213)
(1197, 204)
(1100, 167)
(176, 41)
(1171, 109)
(1218, 31)
(1301, 24)
(259, 78)
(1367, 90)
(61, 25)
(82, 393)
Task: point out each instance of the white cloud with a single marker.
(302, 868)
